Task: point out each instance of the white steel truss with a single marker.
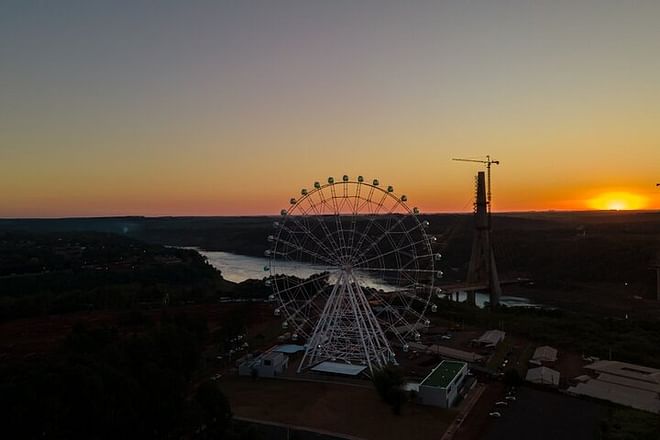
(348, 330)
(351, 265)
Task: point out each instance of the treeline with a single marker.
(26, 253)
(104, 385)
(553, 248)
(51, 273)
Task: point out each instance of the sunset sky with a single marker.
(223, 108)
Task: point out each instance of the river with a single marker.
(238, 268)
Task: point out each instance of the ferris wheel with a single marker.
(352, 268)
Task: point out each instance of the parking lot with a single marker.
(545, 415)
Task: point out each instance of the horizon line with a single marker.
(137, 216)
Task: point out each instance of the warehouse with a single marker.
(627, 384)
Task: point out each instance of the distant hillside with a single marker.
(44, 273)
(551, 247)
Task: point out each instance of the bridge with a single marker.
(450, 289)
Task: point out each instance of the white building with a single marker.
(269, 364)
(491, 338)
(627, 384)
(440, 387)
(453, 353)
(543, 375)
(545, 353)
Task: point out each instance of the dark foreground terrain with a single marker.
(106, 332)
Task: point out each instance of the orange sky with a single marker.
(231, 108)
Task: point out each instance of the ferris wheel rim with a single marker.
(333, 261)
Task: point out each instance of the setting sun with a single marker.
(618, 201)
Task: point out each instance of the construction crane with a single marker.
(489, 246)
(488, 163)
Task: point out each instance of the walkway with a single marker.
(463, 411)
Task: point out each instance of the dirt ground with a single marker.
(345, 409)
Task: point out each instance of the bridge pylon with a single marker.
(482, 268)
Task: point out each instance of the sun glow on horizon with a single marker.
(618, 201)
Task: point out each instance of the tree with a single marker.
(215, 412)
(389, 382)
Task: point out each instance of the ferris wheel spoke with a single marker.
(338, 218)
(366, 232)
(387, 232)
(324, 227)
(298, 285)
(385, 269)
(299, 308)
(332, 258)
(380, 203)
(396, 320)
(417, 243)
(304, 251)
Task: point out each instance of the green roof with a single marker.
(443, 374)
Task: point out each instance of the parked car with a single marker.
(495, 414)
(501, 403)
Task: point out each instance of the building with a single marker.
(543, 376)
(453, 353)
(545, 354)
(441, 386)
(339, 368)
(491, 338)
(268, 364)
(631, 385)
(289, 348)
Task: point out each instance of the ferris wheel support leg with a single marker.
(382, 347)
(313, 342)
(359, 321)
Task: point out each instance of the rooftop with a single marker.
(545, 353)
(443, 374)
(339, 368)
(543, 375)
(631, 371)
(289, 348)
(491, 337)
(623, 395)
(454, 353)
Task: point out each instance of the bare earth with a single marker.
(342, 409)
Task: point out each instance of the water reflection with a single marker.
(238, 268)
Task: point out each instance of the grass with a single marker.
(630, 424)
